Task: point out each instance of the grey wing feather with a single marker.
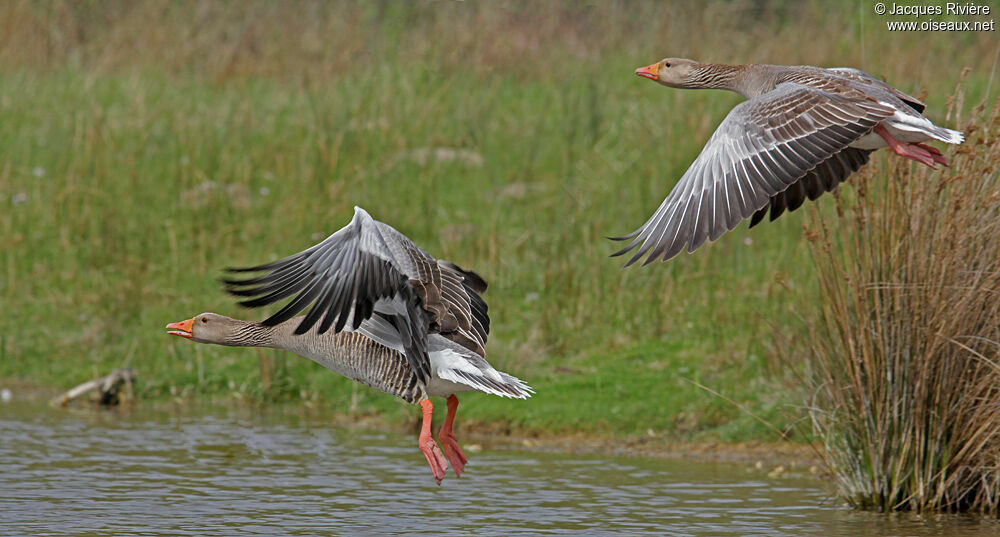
(345, 278)
(450, 293)
(861, 76)
(382, 331)
(823, 178)
(369, 268)
(764, 146)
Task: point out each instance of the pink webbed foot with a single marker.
(918, 152)
(430, 449)
(435, 459)
(935, 153)
(447, 438)
(454, 452)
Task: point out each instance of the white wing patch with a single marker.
(909, 122)
(460, 374)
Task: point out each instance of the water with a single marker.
(224, 471)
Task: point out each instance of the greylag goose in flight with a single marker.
(402, 322)
(801, 132)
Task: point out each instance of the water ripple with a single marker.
(227, 472)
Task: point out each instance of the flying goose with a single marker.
(402, 322)
(801, 132)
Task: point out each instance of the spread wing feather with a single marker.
(364, 268)
(765, 146)
(823, 178)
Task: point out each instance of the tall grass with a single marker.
(906, 355)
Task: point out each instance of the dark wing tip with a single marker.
(650, 259)
(242, 292)
(243, 281)
(254, 303)
(631, 262)
(475, 281)
(625, 237)
(626, 250)
(643, 250)
(233, 282)
(270, 321)
(470, 278)
(258, 268)
(303, 327)
(759, 215)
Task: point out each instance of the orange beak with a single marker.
(182, 328)
(651, 72)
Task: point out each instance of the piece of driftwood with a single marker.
(108, 387)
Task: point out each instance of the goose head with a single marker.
(212, 328)
(673, 72)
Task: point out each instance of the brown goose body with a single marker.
(382, 312)
(358, 355)
(348, 353)
(802, 131)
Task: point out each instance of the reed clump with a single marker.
(905, 351)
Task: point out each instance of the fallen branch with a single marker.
(108, 387)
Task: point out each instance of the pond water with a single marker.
(228, 471)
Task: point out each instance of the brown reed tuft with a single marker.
(905, 349)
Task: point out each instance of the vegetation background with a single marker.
(146, 145)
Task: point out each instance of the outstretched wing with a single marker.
(765, 145)
(365, 268)
(821, 179)
(462, 292)
(346, 278)
(448, 292)
(861, 76)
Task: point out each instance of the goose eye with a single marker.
(666, 64)
(204, 319)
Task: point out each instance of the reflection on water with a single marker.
(225, 471)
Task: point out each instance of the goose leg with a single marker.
(447, 439)
(430, 449)
(917, 152)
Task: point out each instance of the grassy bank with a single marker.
(145, 146)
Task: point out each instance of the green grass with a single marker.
(141, 189)
(135, 165)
